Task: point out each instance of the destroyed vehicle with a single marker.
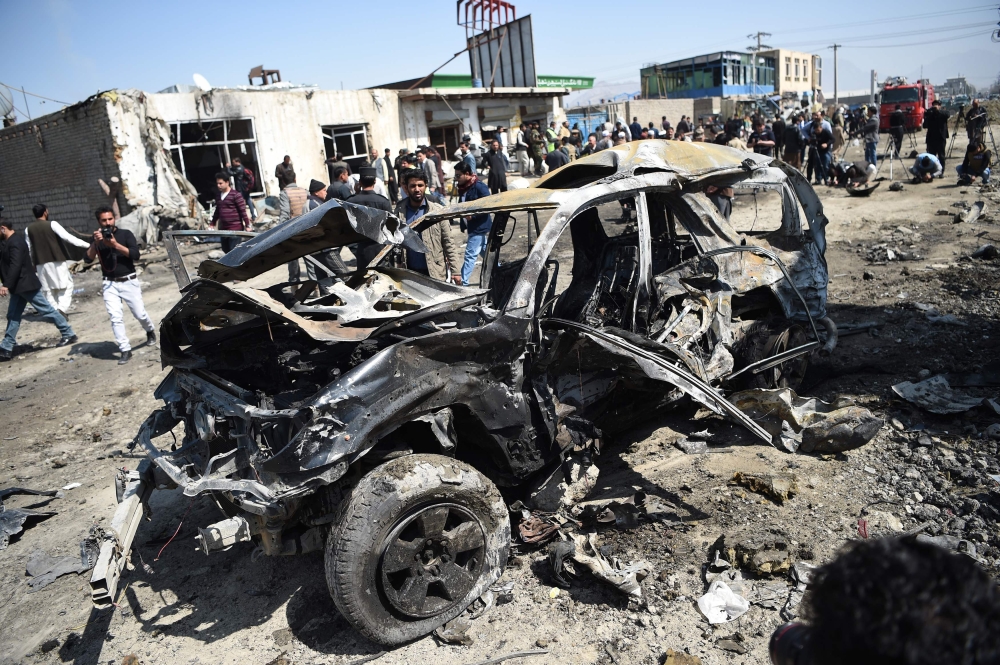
(390, 421)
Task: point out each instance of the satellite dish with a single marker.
(202, 82)
(6, 101)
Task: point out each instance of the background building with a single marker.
(724, 74)
(797, 72)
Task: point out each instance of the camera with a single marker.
(106, 233)
(788, 645)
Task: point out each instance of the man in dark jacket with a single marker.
(21, 284)
(778, 129)
(471, 188)
(555, 159)
(243, 181)
(330, 258)
(936, 124)
(285, 172)
(897, 127)
(497, 165)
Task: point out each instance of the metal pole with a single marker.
(836, 96)
(26, 109)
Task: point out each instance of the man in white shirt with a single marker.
(48, 243)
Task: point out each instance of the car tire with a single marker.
(417, 540)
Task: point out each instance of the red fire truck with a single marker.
(914, 100)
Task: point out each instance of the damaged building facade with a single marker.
(139, 149)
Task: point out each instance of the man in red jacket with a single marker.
(230, 212)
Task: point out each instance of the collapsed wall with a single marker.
(62, 159)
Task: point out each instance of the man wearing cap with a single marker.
(330, 258)
(291, 204)
(605, 141)
(936, 124)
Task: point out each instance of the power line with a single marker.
(933, 41)
(908, 33)
(25, 92)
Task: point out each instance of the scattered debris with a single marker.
(45, 569)
(779, 487)
(762, 556)
(971, 214)
(535, 529)
(936, 395)
(133, 659)
(569, 484)
(13, 520)
(721, 605)
(582, 549)
(511, 656)
(456, 631)
(735, 641)
(692, 447)
(808, 424)
(896, 187)
(72, 486)
(952, 543)
(986, 252)
(680, 658)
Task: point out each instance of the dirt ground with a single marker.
(68, 414)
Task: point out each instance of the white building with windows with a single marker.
(166, 147)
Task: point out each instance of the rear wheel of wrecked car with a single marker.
(416, 542)
(766, 339)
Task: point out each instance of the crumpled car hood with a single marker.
(333, 224)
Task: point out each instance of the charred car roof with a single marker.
(333, 224)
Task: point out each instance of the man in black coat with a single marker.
(936, 124)
(20, 283)
(495, 162)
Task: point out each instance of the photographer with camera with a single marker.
(117, 250)
(894, 601)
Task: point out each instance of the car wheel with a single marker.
(765, 339)
(418, 539)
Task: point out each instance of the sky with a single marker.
(67, 51)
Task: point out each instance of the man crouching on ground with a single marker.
(118, 252)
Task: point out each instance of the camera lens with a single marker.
(788, 644)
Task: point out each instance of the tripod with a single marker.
(891, 156)
(958, 120)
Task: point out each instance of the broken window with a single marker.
(351, 141)
(202, 148)
(594, 266)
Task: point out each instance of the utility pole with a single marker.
(836, 98)
(753, 60)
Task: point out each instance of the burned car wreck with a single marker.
(391, 421)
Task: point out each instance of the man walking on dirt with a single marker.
(49, 245)
(118, 251)
(21, 285)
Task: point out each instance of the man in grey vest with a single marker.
(49, 245)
